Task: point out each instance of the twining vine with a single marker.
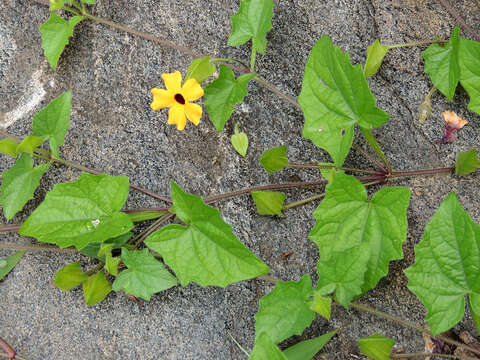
(357, 236)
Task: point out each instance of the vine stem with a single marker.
(98, 267)
(416, 43)
(445, 170)
(313, 166)
(384, 315)
(152, 38)
(95, 172)
(459, 19)
(277, 91)
(424, 355)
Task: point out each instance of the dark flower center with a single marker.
(180, 99)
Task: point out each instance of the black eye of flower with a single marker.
(180, 99)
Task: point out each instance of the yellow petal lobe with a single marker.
(194, 112)
(176, 115)
(173, 81)
(161, 99)
(192, 90)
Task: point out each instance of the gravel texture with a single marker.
(114, 130)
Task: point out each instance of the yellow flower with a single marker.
(177, 98)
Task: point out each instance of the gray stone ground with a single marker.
(114, 129)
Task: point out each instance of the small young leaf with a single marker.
(265, 349)
(96, 288)
(459, 60)
(222, 94)
(89, 2)
(80, 212)
(446, 265)
(52, 121)
(56, 4)
(55, 34)
(69, 277)
(145, 275)
(328, 173)
(307, 349)
(322, 305)
(474, 304)
(9, 147)
(200, 69)
(268, 202)
(347, 220)
(111, 264)
(240, 141)
(334, 97)
(92, 249)
(204, 251)
(145, 215)
(19, 184)
(29, 144)
(467, 162)
(376, 347)
(286, 310)
(274, 159)
(9, 263)
(252, 21)
(375, 54)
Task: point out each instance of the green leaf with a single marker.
(344, 273)
(111, 264)
(286, 310)
(145, 275)
(92, 249)
(9, 263)
(442, 64)
(69, 277)
(56, 4)
(96, 288)
(334, 97)
(307, 349)
(447, 265)
(52, 121)
(265, 349)
(474, 304)
(80, 212)
(457, 61)
(29, 144)
(467, 162)
(200, 69)
(55, 34)
(19, 184)
(252, 21)
(350, 229)
(204, 251)
(375, 54)
(222, 94)
(89, 2)
(268, 202)
(322, 305)
(376, 347)
(145, 215)
(274, 159)
(240, 141)
(9, 147)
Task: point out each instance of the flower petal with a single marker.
(176, 115)
(173, 81)
(194, 112)
(192, 90)
(161, 99)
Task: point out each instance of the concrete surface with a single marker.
(113, 129)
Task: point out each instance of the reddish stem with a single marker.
(9, 351)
